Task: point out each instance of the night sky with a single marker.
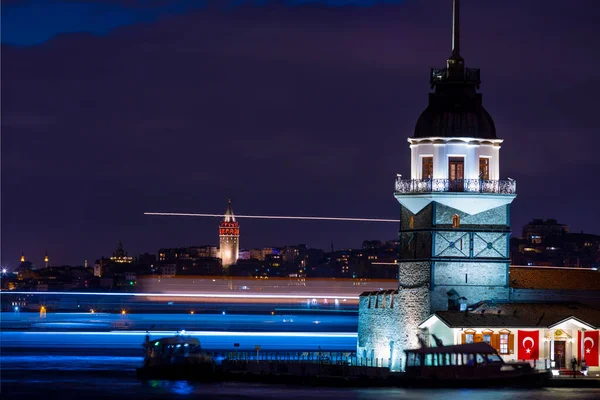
(112, 108)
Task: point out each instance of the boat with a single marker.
(177, 357)
(467, 365)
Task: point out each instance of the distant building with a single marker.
(537, 230)
(371, 244)
(203, 252)
(229, 238)
(173, 254)
(168, 270)
(245, 254)
(556, 249)
(120, 256)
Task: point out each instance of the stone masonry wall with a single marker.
(473, 294)
(414, 274)
(457, 243)
(422, 220)
(457, 273)
(385, 332)
(494, 217)
(476, 281)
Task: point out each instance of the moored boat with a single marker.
(174, 358)
(467, 365)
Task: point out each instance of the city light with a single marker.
(191, 295)
(276, 217)
(3, 270)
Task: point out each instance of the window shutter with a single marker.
(511, 343)
(464, 338)
(496, 341)
(478, 338)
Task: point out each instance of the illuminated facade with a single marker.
(229, 238)
(455, 220)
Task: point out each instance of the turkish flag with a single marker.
(590, 347)
(528, 345)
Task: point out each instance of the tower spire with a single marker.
(456, 29)
(229, 216)
(456, 64)
(22, 257)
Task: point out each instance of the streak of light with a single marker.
(204, 333)
(200, 295)
(276, 217)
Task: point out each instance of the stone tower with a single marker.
(455, 219)
(229, 238)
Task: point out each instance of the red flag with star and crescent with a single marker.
(590, 347)
(528, 345)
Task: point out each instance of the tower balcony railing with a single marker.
(502, 186)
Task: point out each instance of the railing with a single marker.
(326, 357)
(437, 75)
(508, 186)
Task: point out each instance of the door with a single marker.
(559, 354)
(456, 174)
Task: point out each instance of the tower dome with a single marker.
(455, 108)
(455, 115)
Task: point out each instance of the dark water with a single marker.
(43, 377)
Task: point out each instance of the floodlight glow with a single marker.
(169, 214)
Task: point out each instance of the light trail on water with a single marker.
(191, 295)
(201, 333)
(171, 214)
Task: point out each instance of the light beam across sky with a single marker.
(276, 217)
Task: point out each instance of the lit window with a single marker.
(455, 221)
(487, 338)
(427, 167)
(504, 343)
(469, 338)
(484, 168)
(411, 222)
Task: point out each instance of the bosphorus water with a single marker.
(69, 375)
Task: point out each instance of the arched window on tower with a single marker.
(411, 222)
(456, 221)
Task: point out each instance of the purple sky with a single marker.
(286, 108)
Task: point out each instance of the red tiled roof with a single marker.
(554, 278)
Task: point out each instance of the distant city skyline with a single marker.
(287, 109)
(43, 260)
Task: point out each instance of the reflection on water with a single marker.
(92, 378)
(69, 363)
(26, 388)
